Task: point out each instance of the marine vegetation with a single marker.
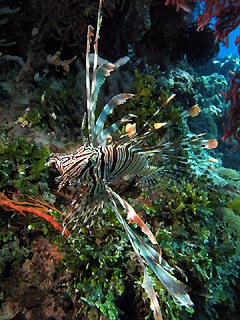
(104, 160)
(22, 165)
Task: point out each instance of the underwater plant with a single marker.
(22, 165)
(103, 160)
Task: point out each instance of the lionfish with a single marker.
(94, 167)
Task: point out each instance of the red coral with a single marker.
(37, 206)
(226, 13)
(232, 130)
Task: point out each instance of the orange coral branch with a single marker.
(5, 201)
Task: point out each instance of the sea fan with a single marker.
(94, 167)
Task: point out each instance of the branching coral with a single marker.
(232, 130)
(226, 13)
(37, 206)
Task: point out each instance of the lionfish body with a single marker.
(94, 167)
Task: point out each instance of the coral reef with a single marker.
(232, 129)
(37, 293)
(225, 13)
(194, 208)
(212, 87)
(227, 19)
(181, 82)
(209, 95)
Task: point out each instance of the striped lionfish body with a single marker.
(101, 165)
(94, 167)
